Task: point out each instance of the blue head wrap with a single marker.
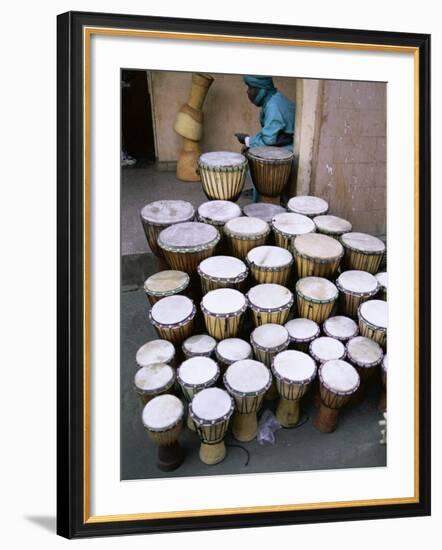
(263, 83)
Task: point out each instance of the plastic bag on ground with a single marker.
(268, 424)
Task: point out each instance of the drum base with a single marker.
(287, 413)
(271, 200)
(245, 426)
(170, 457)
(271, 393)
(212, 454)
(326, 419)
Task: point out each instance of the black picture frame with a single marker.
(71, 520)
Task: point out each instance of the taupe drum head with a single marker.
(325, 349)
(307, 205)
(210, 405)
(162, 413)
(166, 282)
(172, 310)
(339, 377)
(364, 352)
(361, 242)
(156, 351)
(357, 282)
(247, 377)
(224, 301)
(197, 371)
(246, 227)
(302, 329)
(316, 245)
(292, 224)
(263, 210)
(222, 159)
(219, 212)
(375, 312)
(269, 257)
(269, 296)
(223, 268)
(270, 336)
(154, 378)
(199, 344)
(332, 224)
(294, 366)
(167, 212)
(382, 279)
(188, 236)
(340, 327)
(231, 350)
(270, 153)
(317, 289)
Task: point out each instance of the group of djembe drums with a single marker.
(257, 304)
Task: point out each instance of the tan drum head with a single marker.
(166, 282)
(269, 257)
(362, 242)
(231, 350)
(210, 406)
(198, 371)
(223, 268)
(247, 227)
(162, 413)
(223, 301)
(339, 377)
(357, 282)
(269, 296)
(270, 153)
(154, 378)
(247, 377)
(294, 366)
(307, 205)
(316, 245)
(222, 159)
(199, 344)
(382, 279)
(332, 224)
(364, 352)
(270, 336)
(292, 224)
(325, 349)
(375, 313)
(302, 330)
(189, 236)
(172, 310)
(340, 327)
(167, 212)
(219, 212)
(317, 289)
(263, 210)
(155, 351)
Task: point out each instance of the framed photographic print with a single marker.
(231, 197)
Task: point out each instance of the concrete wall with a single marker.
(349, 162)
(227, 110)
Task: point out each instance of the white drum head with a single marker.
(363, 242)
(219, 211)
(270, 296)
(317, 288)
(223, 267)
(302, 329)
(247, 227)
(199, 344)
(172, 310)
(340, 327)
(375, 312)
(269, 256)
(167, 212)
(332, 224)
(363, 351)
(233, 349)
(307, 205)
(326, 349)
(359, 282)
(211, 404)
(154, 377)
(293, 224)
(271, 153)
(222, 159)
(162, 412)
(263, 210)
(198, 370)
(295, 366)
(339, 377)
(248, 376)
(316, 245)
(166, 281)
(270, 336)
(382, 279)
(385, 363)
(188, 235)
(223, 301)
(155, 351)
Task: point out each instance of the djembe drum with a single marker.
(382, 281)
(223, 311)
(362, 252)
(325, 349)
(199, 345)
(338, 381)
(218, 213)
(301, 332)
(247, 382)
(267, 341)
(156, 351)
(265, 211)
(270, 264)
(196, 374)
(382, 405)
(153, 380)
(173, 318)
(222, 272)
(158, 215)
(211, 410)
(315, 297)
(340, 327)
(333, 226)
(270, 303)
(270, 169)
(185, 245)
(355, 287)
(163, 421)
(165, 283)
(316, 255)
(287, 226)
(372, 317)
(223, 174)
(365, 355)
(231, 350)
(243, 234)
(294, 371)
(308, 205)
